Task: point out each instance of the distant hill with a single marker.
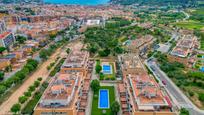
(156, 2)
(19, 1)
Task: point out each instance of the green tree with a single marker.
(36, 83)
(95, 85)
(31, 88)
(16, 108)
(115, 107)
(2, 49)
(68, 50)
(22, 99)
(21, 39)
(201, 97)
(183, 111)
(43, 54)
(28, 94)
(98, 68)
(2, 89)
(1, 75)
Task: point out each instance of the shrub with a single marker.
(183, 111)
(101, 75)
(191, 93)
(40, 79)
(2, 89)
(112, 78)
(201, 97)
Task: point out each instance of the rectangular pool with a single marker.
(103, 102)
(107, 69)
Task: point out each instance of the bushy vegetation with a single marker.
(183, 111)
(182, 3)
(28, 109)
(104, 41)
(19, 76)
(186, 80)
(95, 85)
(20, 39)
(201, 36)
(57, 68)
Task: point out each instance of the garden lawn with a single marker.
(95, 109)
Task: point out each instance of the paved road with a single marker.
(174, 91)
(187, 15)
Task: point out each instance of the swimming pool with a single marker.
(202, 69)
(107, 69)
(103, 102)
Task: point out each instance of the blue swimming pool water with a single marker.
(106, 69)
(103, 98)
(203, 56)
(202, 69)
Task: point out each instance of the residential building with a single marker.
(6, 39)
(67, 93)
(146, 96)
(77, 61)
(2, 27)
(140, 94)
(61, 95)
(130, 63)
(183, 50)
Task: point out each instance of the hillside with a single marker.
(156, 2)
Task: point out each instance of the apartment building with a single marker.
(6, 39)
(183, 50)
(147, 97)
(139, 92)
(61, 95)
(77, 61)
(130, 63)
(138, 45)
(67, 92)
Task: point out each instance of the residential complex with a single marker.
(143, 95)
(67, 91)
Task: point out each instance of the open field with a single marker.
(191, 25)
(95, 109)
(199, 11)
